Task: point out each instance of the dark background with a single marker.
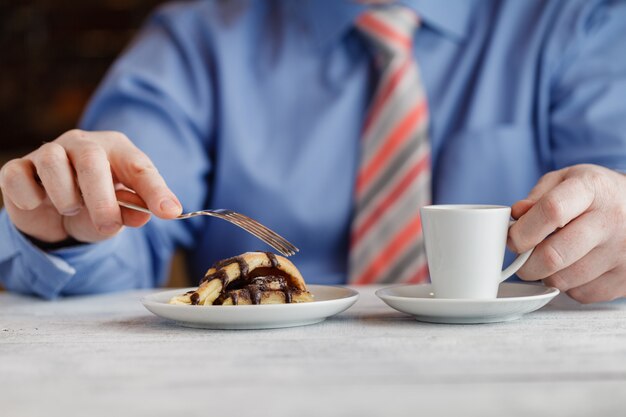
(53, 53)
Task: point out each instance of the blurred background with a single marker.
(54, 53)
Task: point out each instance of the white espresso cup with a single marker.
(465, 247)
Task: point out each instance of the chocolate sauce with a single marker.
(275, 264)
(255, 288)
(234, 297)
(224, 262)
(261, 283)
(195, 299)
(244, 269)
(255, 294)
(272, 259)
(220, 274)
(288, 295)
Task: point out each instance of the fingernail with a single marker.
(71, 212)
(169, 206)
(109, 228)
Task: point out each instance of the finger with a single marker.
(95, 180)
(582, 271)
(547, 183)
(607, 287)
(57, 176)
(44, 223)
(130, 217)
(82, 228)
(17, 180)
(564, 247)
(521, 207)
(136, 171)
(553, 210)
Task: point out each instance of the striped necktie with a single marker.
(393, 180)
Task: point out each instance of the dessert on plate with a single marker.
(250, 278)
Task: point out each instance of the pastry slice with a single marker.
(250, 278)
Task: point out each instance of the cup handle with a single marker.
(517, 263)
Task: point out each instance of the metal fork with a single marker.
(251, 226)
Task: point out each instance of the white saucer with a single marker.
(328, 302)
(514, 300)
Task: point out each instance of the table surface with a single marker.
(108, 356)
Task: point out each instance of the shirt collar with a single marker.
(330, 19)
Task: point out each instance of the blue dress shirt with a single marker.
(258, 106)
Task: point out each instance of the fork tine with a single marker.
(263, 233)
(257, 229)
(270, 233)
(277, 241)
(245, 220)
(266, 238)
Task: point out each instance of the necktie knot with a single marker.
(390, 29)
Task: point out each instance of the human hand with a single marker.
(577, 218)
(69, 188)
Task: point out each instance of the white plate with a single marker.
(329, 301)
(514, 300)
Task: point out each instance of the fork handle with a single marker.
(133, 207)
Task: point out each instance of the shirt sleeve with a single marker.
(159, 94)
(588, 89)
(25, 268)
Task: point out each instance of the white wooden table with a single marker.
(108, 356)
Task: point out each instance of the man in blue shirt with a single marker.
(258, 107)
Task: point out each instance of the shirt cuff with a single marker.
(46, 274)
